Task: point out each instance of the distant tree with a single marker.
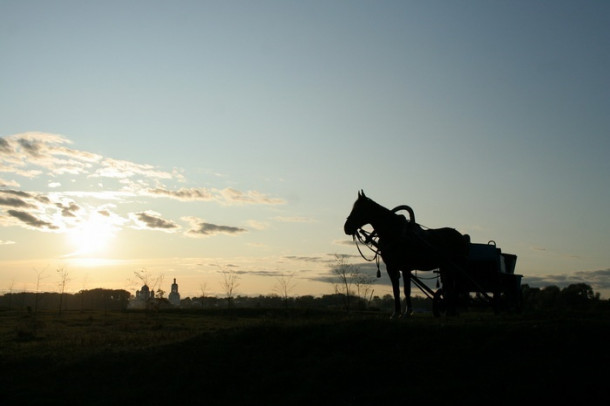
(578, 294)
(549, 296)
(363, 284)
(40, 275)
(345, 274)
(10, 293)
(144, 276)
(284, 286)
(64, 278)
(203, 287)
(229, 283)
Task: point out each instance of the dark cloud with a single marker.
(19, 199)
(14, 202)
(67, 210)
(31, 147)
(104, 213)
(598, 279)
(206, 229)
(306, 259)
(17, 193)
(155, 222)
(5, 146)
(31, 220)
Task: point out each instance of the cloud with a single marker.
(154, 221)
(307, 258)
(31, 147)
(294, 219)
(233, 196)
(5, 147)
(43, 150)
(344, 242)
(20, 199)
(597, 279)
(67, 210)
(8, 183)
(35, 154)
(49, 151)
(6, 242)
(257, 225)
(184, 194)
(114, 168)
(31, 220)
(228, 196)
(14, 202)
(199, 228)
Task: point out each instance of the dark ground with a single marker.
(299, 357)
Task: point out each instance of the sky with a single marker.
(190, 139)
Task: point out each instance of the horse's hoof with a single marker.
(407, 315)
(394, 316)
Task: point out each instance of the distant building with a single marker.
(174, 296)
(143, 296)
(144, 293)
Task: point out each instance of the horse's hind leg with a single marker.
(406, 276)
(394, 278)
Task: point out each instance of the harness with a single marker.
(371, 241)
(410, 230)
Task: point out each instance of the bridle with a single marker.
(371, 239)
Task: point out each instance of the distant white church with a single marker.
(145, 294)
(174, 296)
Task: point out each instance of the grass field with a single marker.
(301, 357)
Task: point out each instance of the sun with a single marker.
(91, 236)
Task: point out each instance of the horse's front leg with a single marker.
(395, 279)
(406, 276)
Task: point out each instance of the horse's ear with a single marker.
(361, 193)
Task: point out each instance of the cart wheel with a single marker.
(438, 303)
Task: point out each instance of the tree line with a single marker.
(580, 296)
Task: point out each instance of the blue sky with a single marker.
(192, 137)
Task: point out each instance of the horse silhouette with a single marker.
(405, 246)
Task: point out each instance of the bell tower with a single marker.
(174, 296)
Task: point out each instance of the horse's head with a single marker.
(359, 215)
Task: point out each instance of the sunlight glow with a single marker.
(92, 236)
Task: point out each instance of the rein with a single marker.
(367, 239)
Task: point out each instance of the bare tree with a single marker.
(350, 276)
(10, 293)
(64, 278)
(147, 279)
(159, 282)
(203, 286)
(345, 275)
(284, 286)
(230, 282)
(40, 275)
(363, 284)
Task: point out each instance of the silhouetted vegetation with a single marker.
(575, 297)
(93, 299)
